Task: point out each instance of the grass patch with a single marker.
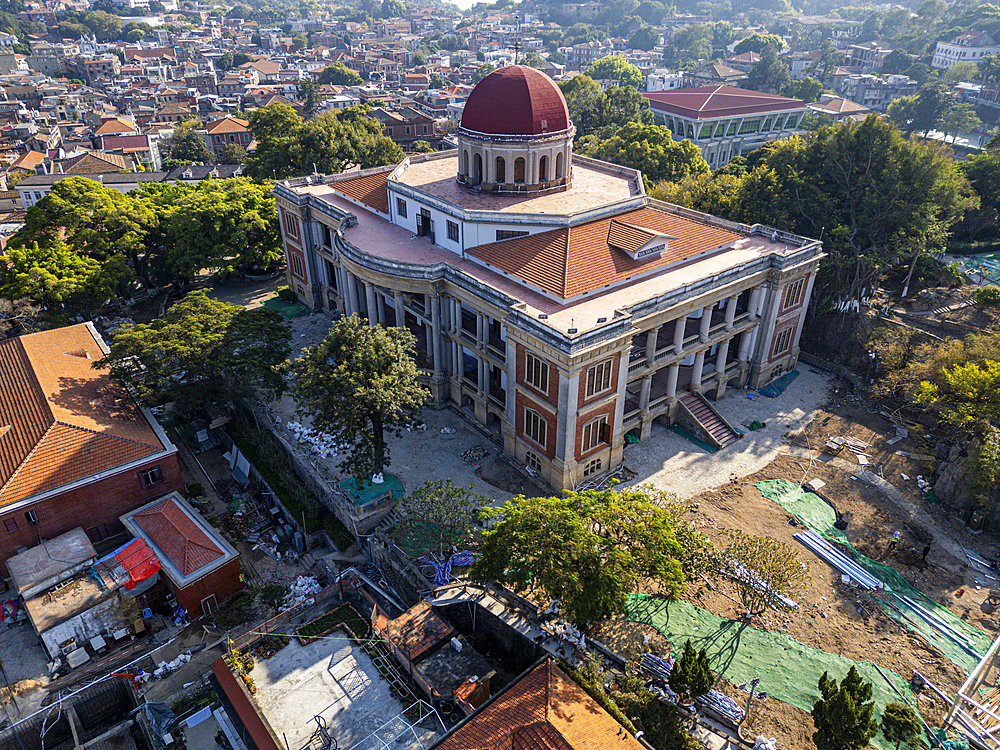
(344, 616)
(237, 611)
(276, 468)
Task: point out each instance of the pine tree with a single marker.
(900, 724)
(843, 714)
(691, 676)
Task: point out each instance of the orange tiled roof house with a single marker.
(550, 297)
(75, 450)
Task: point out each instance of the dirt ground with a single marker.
(829, 618)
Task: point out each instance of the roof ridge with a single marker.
(709, 98)
(34, 448)
(101, 434)
(565, 265)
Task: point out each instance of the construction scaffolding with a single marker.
(418, 723)
(975, 713)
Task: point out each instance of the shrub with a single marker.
(988, 296)
(287, 295)
(195, 489)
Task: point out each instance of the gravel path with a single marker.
(671, 463)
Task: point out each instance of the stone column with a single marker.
(651, 345)
(672, 382)
(482, 386)
(699, 364)
(755, 297)
(744, 350)
(706, 322)
(370, 302)
(802, 315)
(352, 291)
(569, 395)
(730, 313)
(480, 329)
(647, 382)
(679, 334)
(436, 332)
(721, 355)
(397, 298)
(380, 308)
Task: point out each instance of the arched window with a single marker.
(465, 163)
(501, 170)
(543, 169)
(477, 175)
(559, 165)
(519, 169)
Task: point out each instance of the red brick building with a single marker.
(75, 449)
(202, 568)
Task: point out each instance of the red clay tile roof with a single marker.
(705, 102)
(570, 262)
(370, 190)
(182, 541)
(228, 125)
(418, 631)
(61, 420)
(544, 710)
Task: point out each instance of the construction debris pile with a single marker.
(474, 455)
(302, 592)
(319, 443)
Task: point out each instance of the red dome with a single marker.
(516, 100)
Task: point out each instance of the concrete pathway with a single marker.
(670, 463)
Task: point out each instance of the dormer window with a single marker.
(639, 243)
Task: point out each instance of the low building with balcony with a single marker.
(551, 298)
(723, 121)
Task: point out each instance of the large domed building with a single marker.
(552, 300)
(515, 134)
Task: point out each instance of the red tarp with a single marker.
(139, 561)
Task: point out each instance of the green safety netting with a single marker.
(788, 670)
(817, 515)
(288, 309)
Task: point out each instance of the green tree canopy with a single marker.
(481, 72)
(451, 509)
(896, 62)
(95, 221)
(202, 352)
(289, 147)
(758, 42)
(616, 68)
(961, 71)
(806, 89)
(900, 724)
(52, 273)
(186, 144)
(218, 223)
(591, 549)
(339, 74)
(645, 38)
(961, 117)
(650, 149)
(843, 714)
(360, 385)
(691, 676)
(771, 74)
(232, 153)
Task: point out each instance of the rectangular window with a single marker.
(401, 207)
(10, 525)
(508, 234)
(793, 294)
(291, 225)
(297, 266)
(782, 342)
(151, 476)
(534, 427)
(592, 467)
(425, 129)
(599, 378)
(97, 533)
(407, 129)
(594, 433)
(536, 373)
(453, 231)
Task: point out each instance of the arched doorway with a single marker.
(465, 163)
(501, 170)
(543, 169)
(559, 165)
(519, 169)
(477, 176)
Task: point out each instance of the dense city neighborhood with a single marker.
(516, 375)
